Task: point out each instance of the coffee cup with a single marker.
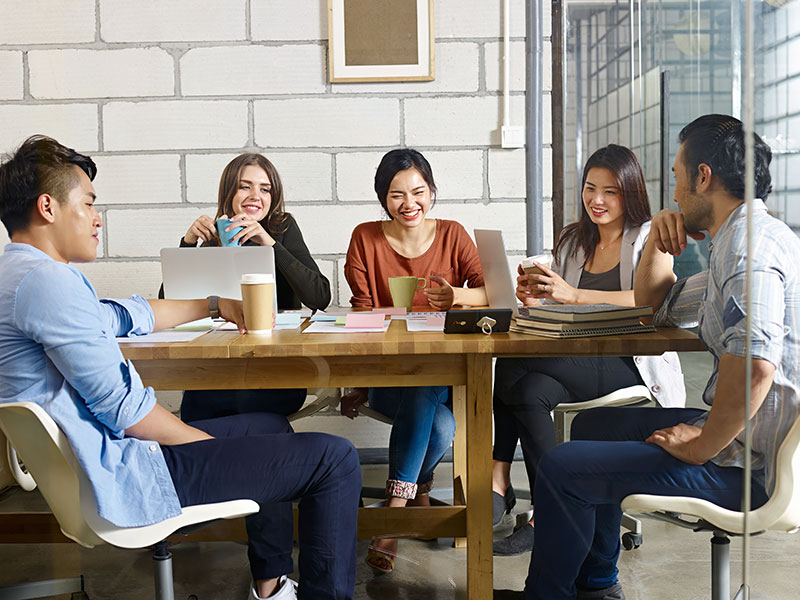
(225, 236)
(404, 288)
(258, 290)
(543, 259)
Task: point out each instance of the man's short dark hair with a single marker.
(39, 166)
(718, 141)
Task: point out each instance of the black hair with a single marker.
(627, 173)
(39, 166)
(398, 160)
(718, 141)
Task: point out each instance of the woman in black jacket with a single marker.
(251, 195)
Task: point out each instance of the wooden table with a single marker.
(289, 359)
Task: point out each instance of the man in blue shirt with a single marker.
(58, 349)
(683, 452)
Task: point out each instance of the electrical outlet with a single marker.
(512, 136)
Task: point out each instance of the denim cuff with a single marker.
(425, 488)
(401, 489)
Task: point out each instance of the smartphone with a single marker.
(472, 320)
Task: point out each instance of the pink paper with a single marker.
(391, 310)
(364, 320)
(434, 321)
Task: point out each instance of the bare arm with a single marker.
(160, 425)
(695, 445)
(169, 313)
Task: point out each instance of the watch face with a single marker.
(213, 307)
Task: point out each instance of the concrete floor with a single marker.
(672, 563)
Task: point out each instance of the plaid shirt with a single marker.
(716, 299)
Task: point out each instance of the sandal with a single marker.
(379, 561)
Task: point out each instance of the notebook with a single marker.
(496, 274)
(190, 273)
(575, 313)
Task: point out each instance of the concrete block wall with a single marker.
(163, 95)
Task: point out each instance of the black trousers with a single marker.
(198, 405)
(527, 389)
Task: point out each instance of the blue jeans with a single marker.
(257, 456)
(580, 485)
(423, 429)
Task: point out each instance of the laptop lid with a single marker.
(496, 274)
(190, 273)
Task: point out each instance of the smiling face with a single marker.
(697, 211)
(409, 198)
(602, 198)
(76, 223)
(254, 195)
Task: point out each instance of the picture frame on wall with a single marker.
(380, 40)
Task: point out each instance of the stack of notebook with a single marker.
(581, 320)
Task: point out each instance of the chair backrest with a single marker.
(782, 510)
(49, 458)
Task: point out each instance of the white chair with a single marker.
(47, 455)
(780, 513)
(635, 395)
(330, 398)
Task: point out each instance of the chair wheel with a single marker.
(192, 597)
(631, 541)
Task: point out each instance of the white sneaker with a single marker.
(287, 590)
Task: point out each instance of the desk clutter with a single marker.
(587, 320)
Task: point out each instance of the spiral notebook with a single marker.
(586, 331)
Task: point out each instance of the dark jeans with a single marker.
(258, 457)
(582, 483)
(527, 389)
(198, 405)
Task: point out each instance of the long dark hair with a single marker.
(275, 219)
(627, 172)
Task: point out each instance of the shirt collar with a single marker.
(737, 213)
(27, 248)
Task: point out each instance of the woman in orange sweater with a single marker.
(441, 251)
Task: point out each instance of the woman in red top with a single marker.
(443, 253)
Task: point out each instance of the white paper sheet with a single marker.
(169, 335)
(328, 327)
(422, 325)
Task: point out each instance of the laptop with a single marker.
(496, 274)
(190, 273)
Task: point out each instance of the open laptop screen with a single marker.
(496, 274)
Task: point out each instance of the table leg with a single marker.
(460, 453)
(479, 477)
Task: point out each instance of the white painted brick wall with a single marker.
(166, 125)
(458, 174)
(269, 70)
(10, 75)
(327, 229)
(143, 232)
(494, 66)
(477, 18)
(457, 68)
(306, 176)
(173, 21)
(318, 122)
(470, 121)
(74, 125)
(289, 20)
(138, 179)
(101, 73)
(120, 279)
(47, 22)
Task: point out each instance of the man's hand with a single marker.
(669, 233)
(351, 401)
(678, 441)
(231, 310)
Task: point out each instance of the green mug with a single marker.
(404, 288)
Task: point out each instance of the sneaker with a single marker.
(502, 505)
(287, 590)
(610, 593)
(519, 542)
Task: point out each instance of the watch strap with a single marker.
(213, 307)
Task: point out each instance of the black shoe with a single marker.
(502, 505)
(507, 595)
(519, 542)
(610, 593)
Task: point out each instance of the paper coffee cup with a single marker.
(258, 290)
(543, 259)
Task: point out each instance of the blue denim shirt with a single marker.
(58, 349)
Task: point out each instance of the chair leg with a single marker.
(560, 424)
(162, 563)
(720, 566)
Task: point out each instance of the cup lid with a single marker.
(544, 258)
(258, 278)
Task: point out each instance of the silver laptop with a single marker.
(496, 274)
(190, 273)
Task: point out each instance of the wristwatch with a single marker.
(213, 307)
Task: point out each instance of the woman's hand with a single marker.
(252, 231)
(552, 286)
(441, 298)
(203, 228)
(351, 401)
(524, 291)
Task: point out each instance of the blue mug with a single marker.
(225, 236)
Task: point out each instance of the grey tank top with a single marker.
(602, 282)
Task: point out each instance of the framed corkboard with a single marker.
(380, 40)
